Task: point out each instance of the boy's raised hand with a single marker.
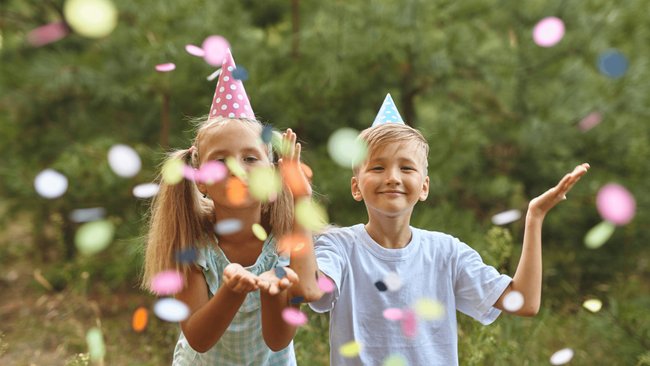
(292, 170)
(238, 279)
(271, 284)
(539, 206)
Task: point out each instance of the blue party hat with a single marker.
(388, 113)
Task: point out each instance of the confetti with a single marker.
(267, 134)
(171, 310)
(167, 283)
(240, 73)
(259, 232)
(90, 18)
(167, 67)
(211, 172)
(381, 286)
(47, 34)
(87, 214)
(146, 190)
(96, 346)
(292, 242)
(393, 281)
(215, 49)
(93, 237)
(294, 317)
(593, 305)
(124, 161)
(194, 50)
(612, 63)
(395, 359)
(264, 184)
(140, 319)
(590, 121)
(345, 148)
(513, 301)
(562, 356)
(297, 300)
(172, 171)
(236, 191)
(615, 204)
(293, 177)
(428, 309)
(310, 215)
(393, 314)
(548, 32)
(506, 217)
(50, 184)
(409, 324)
(350, 349)
(280, 272)
(227, 226)
(599, 234)
(325, 284)
(235, 168)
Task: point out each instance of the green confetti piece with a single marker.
(93, 237)
(599, 234)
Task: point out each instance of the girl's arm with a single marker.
(210, 318)
(528, 277)
(303, 259)
(275, 297)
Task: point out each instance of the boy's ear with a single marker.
(425, 189)
(356, 192)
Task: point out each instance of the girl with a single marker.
(230, 322)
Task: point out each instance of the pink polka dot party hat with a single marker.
(230, 99)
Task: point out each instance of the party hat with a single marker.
(388, 113)
(230, 99)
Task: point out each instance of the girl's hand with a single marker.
(294, 174)
(271, 284)
(539, 206)
(239, 280)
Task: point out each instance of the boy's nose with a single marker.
(392, 176)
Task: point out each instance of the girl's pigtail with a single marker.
(179, 220)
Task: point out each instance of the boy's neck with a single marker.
(391, 233)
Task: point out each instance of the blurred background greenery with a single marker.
(501, 115)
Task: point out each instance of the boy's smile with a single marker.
(392, 180)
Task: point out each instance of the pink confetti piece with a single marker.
(615, 204)
(47, 34)
(190, 173)
(393, 314)
(548, 32)
(294, 317)
(215, 48)
(212, 171)
(590, 121)
(167, 283)
(165, 67)
(409, 324)
(325, 284)
(194, 50)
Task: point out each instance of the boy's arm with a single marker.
(528, 277)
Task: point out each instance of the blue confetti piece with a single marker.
(381, 286)
(240, 73)
(267, 134)
(297, 300)
(612, 64)
(280, 272)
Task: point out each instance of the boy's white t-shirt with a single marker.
(433, 266)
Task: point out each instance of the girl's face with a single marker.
(238, 140)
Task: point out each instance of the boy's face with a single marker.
(392, 180)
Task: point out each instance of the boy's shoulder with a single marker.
(341, 234)
(437, 236)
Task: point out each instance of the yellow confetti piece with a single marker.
(395, 360)
(259, 232)
(93, 237)
(599, 234)
(311, 215)
(350, 349)
(593, 305)
(280, 145)
(91, 18)
(235, 168)
(428, 309)
(264, 183)
(172, 171)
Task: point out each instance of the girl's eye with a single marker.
(251, 159)
(223, 160)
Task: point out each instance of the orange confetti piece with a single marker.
(140, 319)
(292, 242)
(296, 178)
(236, 191)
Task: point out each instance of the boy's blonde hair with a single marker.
(381, 135)
(182, 219)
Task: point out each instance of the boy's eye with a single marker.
(408, 168)
(377, 168)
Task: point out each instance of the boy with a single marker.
(430, 265)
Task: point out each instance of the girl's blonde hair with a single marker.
(378, 137)
(182, 219)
